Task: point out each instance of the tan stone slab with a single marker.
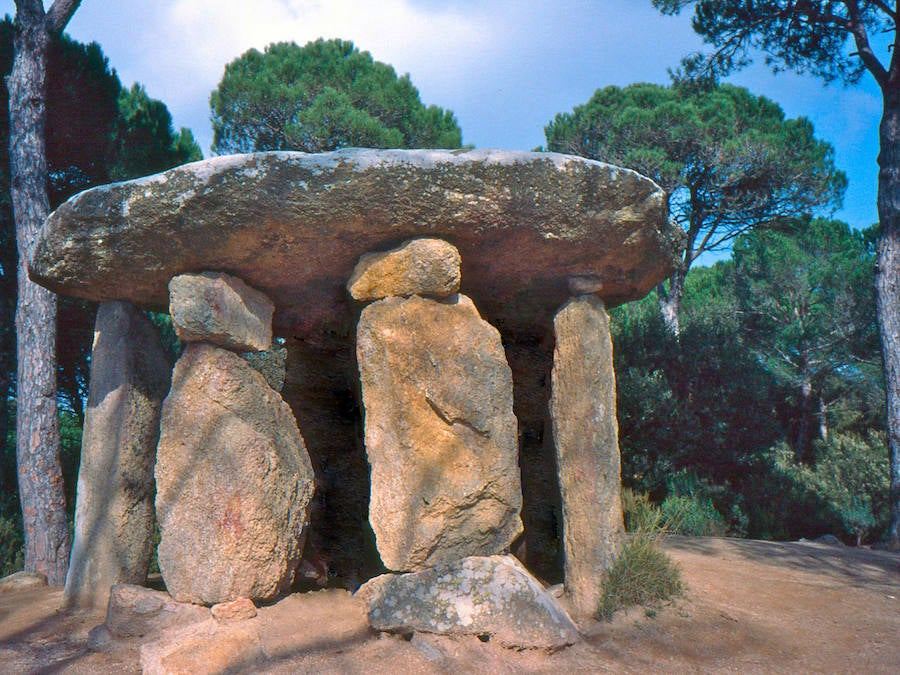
(294, 225)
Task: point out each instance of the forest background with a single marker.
(760, 415)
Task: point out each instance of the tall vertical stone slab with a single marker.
(233, 482)
(440, 432)
(114, 508)
(585, 432)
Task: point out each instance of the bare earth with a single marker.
(751, 607)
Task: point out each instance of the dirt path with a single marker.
(751, 607)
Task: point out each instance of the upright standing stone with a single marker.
(585, 431)
(114, 508)
(233, 482)
(440, 432)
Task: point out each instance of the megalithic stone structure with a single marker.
(585, 433)
(294, 225)
(114, 509)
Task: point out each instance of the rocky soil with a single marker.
(750, 607)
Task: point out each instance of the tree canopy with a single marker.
(724, 426)
(833, 40)
(729, 160)
(322, 96)
(825, 38)
(808, 312)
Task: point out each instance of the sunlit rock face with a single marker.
(440, 433)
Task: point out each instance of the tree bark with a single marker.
(670, 300)
(37, 427)
(887, 286)
(809, 414)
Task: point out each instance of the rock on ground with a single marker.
(236, 610)
(221, 309)
(486, 596)
(114, 509)
(440, 432)
(585, 432)
(204, 649)
(416, 267)
(135, 611)
(20, 581)
(233, 482)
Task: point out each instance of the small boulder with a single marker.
(135, 611)
(22, 581)
(439, 430)
(233, 482)
(204, 649)
(236, 610)
(492, 596)
(221, 309)
(417, 267)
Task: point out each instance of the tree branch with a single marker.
(858, 30)
(60, 13)
(884, 8)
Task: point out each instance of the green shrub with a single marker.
(641, 575)
(640, 514)
(849, 484)
(692, 515)
(12, 546)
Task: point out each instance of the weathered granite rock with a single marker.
(417, 267)
(114, 509)
(221, 309)
(440, 432)
(293, 226)
(134, 611)
(487, 596)
(583, 412)
(205, 648)
(273, 641)
(241, 609)
(233, 482)
(22, 581)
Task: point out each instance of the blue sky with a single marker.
(505, 67)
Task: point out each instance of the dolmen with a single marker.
(448, 380)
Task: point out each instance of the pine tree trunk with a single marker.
(41, 489)
(670, 301)
(887, 288)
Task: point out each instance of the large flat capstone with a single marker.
(293, 225)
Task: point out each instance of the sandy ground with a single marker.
(751, 607)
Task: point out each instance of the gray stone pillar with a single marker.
(585, 432)
(114, 508)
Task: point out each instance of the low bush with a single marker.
(12, 546)
(692, 515)
(641, 575)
